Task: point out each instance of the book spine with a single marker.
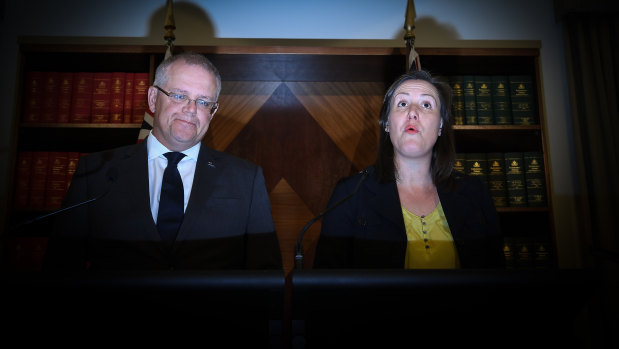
(483, 100)
(460, 163)
(38, 179)
(72, 160)
(140, 90)
(81, 100)
(25, 253)
(535, 178)
(470, 104)
(117, 98)
(521, 91)
(128, 105)
(102, 89)
(509, 253)
(50, 97)
(501, 100)
(56, 179)
(22, 181)
(515, 180)
(64, 97)
(496, 179)
(477, 165)
(457, 107)
(523, 253)
(33, 100)
(542, 254)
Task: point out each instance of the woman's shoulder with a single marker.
(356, 180)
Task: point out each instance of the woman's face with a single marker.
(414, 120)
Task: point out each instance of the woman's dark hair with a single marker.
(443, 153)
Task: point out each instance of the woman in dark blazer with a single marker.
(411, 209)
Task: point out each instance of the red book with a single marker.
(25, 254)
(101, 96)
(81, 99)
(38, 179)
(33, 96)
(72, 160)
(56, 185)
(50, 97)
(128, 107)
(65, 88)
(22, 179)
(117, 98)
(140, 91)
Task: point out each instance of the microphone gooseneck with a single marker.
(299, 254)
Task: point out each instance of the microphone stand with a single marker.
(299, 254)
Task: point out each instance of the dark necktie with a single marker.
(171, 202)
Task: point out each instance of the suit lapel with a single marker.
(134, 166)
(201, 189)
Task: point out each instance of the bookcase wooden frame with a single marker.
(309, 65)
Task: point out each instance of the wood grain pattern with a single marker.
(347, 112)
(238, 102)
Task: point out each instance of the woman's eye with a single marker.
(402, 104)
(426, 105)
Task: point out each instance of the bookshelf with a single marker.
(327, 97)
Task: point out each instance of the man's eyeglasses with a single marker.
(201, 104)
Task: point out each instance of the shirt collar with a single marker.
(156, 149)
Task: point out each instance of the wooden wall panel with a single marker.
(308, 122)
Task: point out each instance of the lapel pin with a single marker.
(211, 164)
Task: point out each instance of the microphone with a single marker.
(111, 175)
(298, 249)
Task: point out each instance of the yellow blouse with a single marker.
(430, 243)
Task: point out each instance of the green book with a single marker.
(477, 165)
(509, 252)
(523, 253)
(542, 254)
(459, 165)
(522, 102)
(535, 178)
(515, 180)
(470, 105)
(457, 103)
(483, 99)
(496, 179)
(501, 105)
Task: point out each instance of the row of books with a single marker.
(85, 97)
(514, 179)
(42, 178)
(525, 253)
(493, 100)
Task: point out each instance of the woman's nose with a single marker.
(413, 113)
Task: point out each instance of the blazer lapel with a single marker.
(453, 204)
(386, 202)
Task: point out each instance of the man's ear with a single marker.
(152, 98)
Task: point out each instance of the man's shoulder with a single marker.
(216, 157)
(114, 153)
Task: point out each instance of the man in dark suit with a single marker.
(225, 215)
